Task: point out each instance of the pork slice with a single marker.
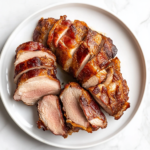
(95, 79)
(50, 115)
(35, 84)
(69, 43)
(100, 94)
(33, 63)
(87, 50)
(93, 67)
(58, 30)
(42, 30)
(92, 111)
(23, 55)
(73, 112)
(30, 46)
(112, 94)
(109, 77)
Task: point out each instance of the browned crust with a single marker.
(30, 46)
(100, 61)
(95, 65)
(42, 30)
(51, 35)
(120, 113)
(87, 103)
(78, 58)
(109, 47)
(40, 123)
(37, 72)
(90, 46)
(43, 62)
(117, 100)
(70, 40)
(63, 27)
(118, 76)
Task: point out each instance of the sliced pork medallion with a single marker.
(93, 67)
(92, 111)
(50, 115)
(69, 43)
(42, 30)
(58, 30)
(95, 79)
(112, 94)
(23, 55)
(73, 112)
(36, 83)
(33, 63)
(99, 62)
(87, 50)
(30, 46)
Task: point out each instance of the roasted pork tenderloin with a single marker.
(80, 110)
(112, 94)
(50, 115)
(34, 84)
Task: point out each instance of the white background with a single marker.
(136, 14)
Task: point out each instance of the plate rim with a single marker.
(130, 31)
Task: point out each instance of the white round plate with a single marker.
(133, 68)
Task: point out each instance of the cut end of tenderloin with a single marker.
(50, 115)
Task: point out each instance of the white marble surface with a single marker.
(136, 14)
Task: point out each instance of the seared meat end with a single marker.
(112, 94)
(42, 30)
(58, 30)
